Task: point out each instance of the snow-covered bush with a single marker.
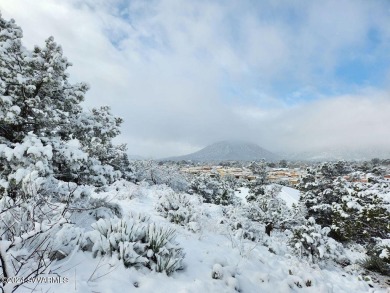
(376, 264)
(123, 190)
(319, 198)
(259, 169)
(311, 241)
(360, 216)
(216, 190)
(164, 254)
(354, 211)
(383, 251)
(378, 256)
(268, 207)
(238, 220)
(97, 207)
(256, 189)
(68, 238)
(219, 272)
(87, 211)
(137, 242)
(30, 233)
(179, 208)
(158, 173)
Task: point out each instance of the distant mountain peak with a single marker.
(229, 150)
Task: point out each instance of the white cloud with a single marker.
(357, 122)
(164, 66)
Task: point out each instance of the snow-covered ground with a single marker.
(289, 195)
(242, 193)
(237, 264)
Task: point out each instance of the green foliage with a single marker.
(359, 217)
(266, 206)
(353, 210)
(311, 242)
(44, 132)
(166, 257)
(216, 190)
(260, 170)
(376, 264)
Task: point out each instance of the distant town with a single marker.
(291, 176)
(274, 174)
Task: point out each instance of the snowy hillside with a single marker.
(229, 151)
(289, 195)
(217, 257)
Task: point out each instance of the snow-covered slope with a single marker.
(242, 193)
(229, 151)
(216, 259)
(289, 195)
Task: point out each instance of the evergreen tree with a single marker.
(217, 189)
(48, 147)
(353, 210)
(44, 132)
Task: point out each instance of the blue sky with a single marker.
(288, 75)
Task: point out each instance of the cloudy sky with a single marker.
(288, 75)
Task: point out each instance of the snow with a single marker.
(384, 254)
(228, 151)
(289, 195)
(15, 109)
(385, 197)
(215, 261)
(242, 193)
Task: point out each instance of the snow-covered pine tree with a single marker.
(48, 145)
(216, 190)
(321, 188)
(311, 241)
(361, 216)
(256, 189)
(268, 207)
(259, 168)
(354, 211)
(44, 132)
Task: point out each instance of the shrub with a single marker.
(376, 264)
(359, 217)
(166, 257)
(217, 190)
(378, 258)
(137, 242)
(238, 220)
(310, 241)
(178, 208)
(268, 207)
(31, 237)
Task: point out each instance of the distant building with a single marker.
(239, 173)
(274, 175)
(284, 174)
